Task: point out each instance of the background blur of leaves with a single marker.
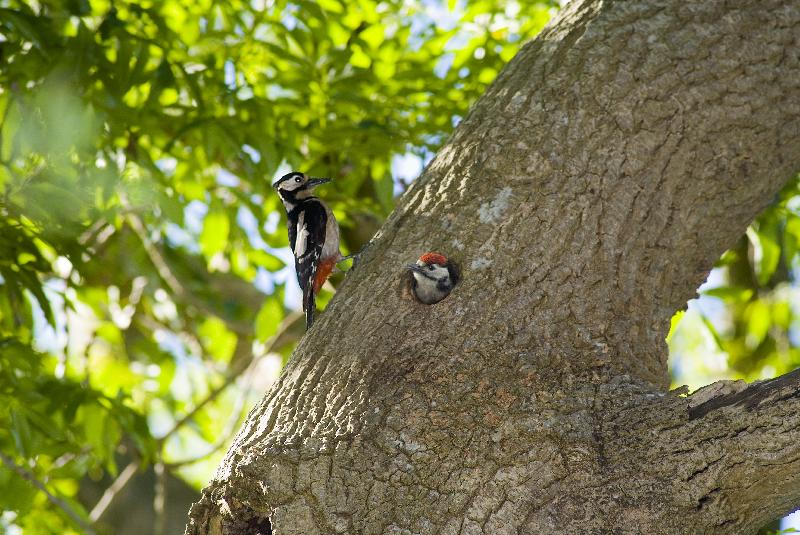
(746, 322)
(146, 296)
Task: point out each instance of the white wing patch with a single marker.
(302, 236)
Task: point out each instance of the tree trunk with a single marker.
(585, 197)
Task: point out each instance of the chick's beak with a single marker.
(414, 267)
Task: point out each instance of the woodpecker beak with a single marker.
(417, 269)
(313, 182)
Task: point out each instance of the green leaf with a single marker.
(265, 260)
(21, 432)
(74, 468)
(713, 332)
(791, 237)
(758, 324)
(217, 339)
(673, 324)
(102, 433)
(25, 25)
(730, 294)
(16, 494)
(216, 228)
(9, 130)
(767, 250)
(268, 319)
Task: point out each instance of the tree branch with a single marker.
(750, 440)
(165, 271)
(727, 456)
(748, 398)
(112, 491)
(226, 432)
(159, 499)
(27, 475)
(241, 366)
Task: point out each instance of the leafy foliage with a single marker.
(745, 323)
(142, 253)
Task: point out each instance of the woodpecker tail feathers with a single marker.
(309, 305)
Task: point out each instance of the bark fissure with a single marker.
(585, 197)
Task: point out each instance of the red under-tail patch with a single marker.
(323, 272)
(434, 258)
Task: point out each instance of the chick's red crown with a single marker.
(434, 258)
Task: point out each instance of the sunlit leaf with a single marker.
(214, 237)
(268, 319)
(767, 250)
(673, 325)
(217, 339)
(759, 322)
(730, 294)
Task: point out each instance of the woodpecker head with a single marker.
(296, 186)
(433, 277)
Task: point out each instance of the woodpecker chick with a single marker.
(433, 278)
(313, 235)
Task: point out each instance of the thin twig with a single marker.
(165, 271)
(160, 499)
(112, 491)
(231, 377)
(27, 475)
(238, 412)
(90, 233)
(153, 253)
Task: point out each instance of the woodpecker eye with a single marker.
(297, 179)
(430, 268)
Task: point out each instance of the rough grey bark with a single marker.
(586, 197)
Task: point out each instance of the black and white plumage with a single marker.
(313, 235)
(433, 278)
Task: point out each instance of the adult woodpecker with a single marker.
(313, 235)
(433, 278)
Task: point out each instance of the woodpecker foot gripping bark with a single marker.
(355, 257)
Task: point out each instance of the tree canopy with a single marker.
(144, 280)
